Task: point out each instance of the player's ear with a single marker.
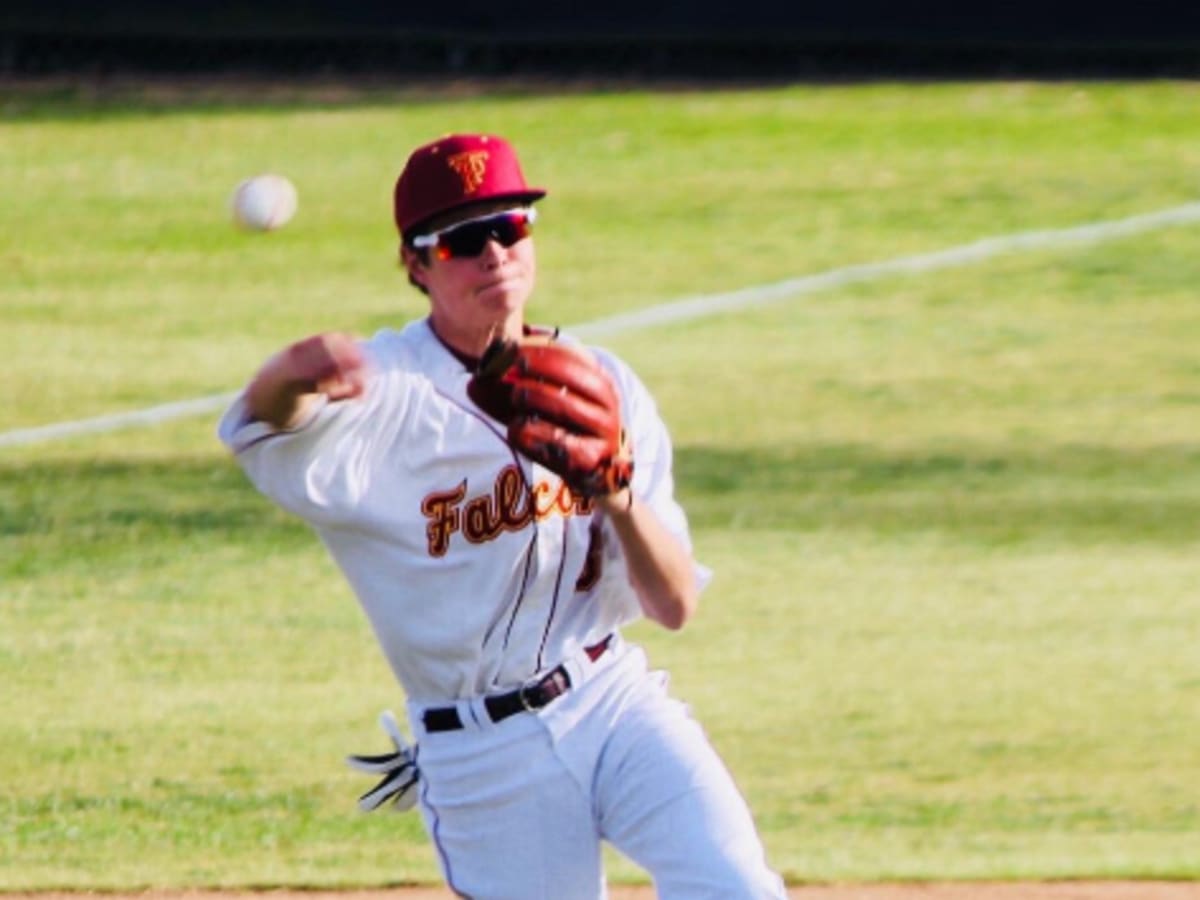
(415, 262)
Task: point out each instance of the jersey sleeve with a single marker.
(320, 469)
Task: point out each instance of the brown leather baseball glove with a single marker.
(561, 408)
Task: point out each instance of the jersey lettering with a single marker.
(440, 508)
(507, 507)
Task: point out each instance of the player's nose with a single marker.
(493, 252)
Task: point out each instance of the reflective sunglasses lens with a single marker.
(469, 239)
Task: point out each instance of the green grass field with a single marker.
(955, 623)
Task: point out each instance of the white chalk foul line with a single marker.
(962, 255)
(707, 305)
(150, 416)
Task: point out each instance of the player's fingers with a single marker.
(346, 351)
(342, 388)
(352, 381)
(324, 356)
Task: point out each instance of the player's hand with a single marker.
(330, 364)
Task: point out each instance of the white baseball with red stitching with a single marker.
(264, 202)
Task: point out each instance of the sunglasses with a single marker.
(467, 239)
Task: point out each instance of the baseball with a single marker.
(264, 202)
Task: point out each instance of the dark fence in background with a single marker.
(701, 38)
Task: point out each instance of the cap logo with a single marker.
(470, 166)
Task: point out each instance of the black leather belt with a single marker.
(528, 698)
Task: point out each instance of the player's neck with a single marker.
(468, 343)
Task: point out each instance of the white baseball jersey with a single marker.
(476, 568)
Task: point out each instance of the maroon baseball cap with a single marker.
(458, 170)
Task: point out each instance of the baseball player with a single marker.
(501, 500)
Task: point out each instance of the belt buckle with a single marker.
(522, 695)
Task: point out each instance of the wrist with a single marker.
(275, 393)
(618, 503)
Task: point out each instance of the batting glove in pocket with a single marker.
(399, 770)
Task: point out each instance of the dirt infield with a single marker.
(1054, 890)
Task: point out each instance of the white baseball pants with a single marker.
(518, 810)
